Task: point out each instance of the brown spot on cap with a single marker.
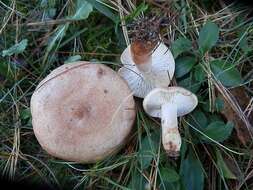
(100, 72)
(81, 111)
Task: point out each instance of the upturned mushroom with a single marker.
(82, 112)
(168, 104)
(144, 72)
(147, 62)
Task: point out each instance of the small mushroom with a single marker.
(168, 104)
(82, 112)
(147, 66)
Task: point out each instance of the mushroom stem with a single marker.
(171, 138)
(142, 55)
(145, 68)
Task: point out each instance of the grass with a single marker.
(212, 155)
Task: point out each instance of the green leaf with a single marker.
(138, 10)
(25, 114)
(149, 147)
(218, 131)
(184, 65)
(219, 104)
(83, 9)
(102, 8)
(226, 73)
(199, 73)
(191, 172)
(55, 40)
(138, 181)
(208, 36)
(198, 119)
(180, 45)
(15, 49)
(169, 174)
(6, 70)
(214, 117)
(244, 40)
(190, 84)
(223, 167)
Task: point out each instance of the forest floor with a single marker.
(212, 43)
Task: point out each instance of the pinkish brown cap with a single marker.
(82, 112)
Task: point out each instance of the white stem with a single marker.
(171, 138)
(145, 68)
(145, 62)
(146, 71)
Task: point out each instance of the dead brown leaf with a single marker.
(243, 100)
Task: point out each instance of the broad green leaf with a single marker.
(148, 149)
(73, 59)
(121, 39)
(83, 9)
(184, 65)
(170, 186)
(169, 174)
(102, 8)
(138, 181)
(214, 117)
(219, 104)
(198, 119)
(223, 167)
(180, 45)
(217, 131)
(26, 117)
(199, 73)
(208, 36)
(244, 39)
(191, 172)
(183, 150)
(226, 73)
(190, 84)
(15, 49)
(25, 114)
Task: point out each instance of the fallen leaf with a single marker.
(243, 99)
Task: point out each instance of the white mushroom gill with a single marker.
(168, 104)
(156, 72)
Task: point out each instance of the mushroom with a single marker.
(168, 104)
(147, 66)
(82, 112)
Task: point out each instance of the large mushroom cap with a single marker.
(185, 100)
(163, 67)
(82, 112)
